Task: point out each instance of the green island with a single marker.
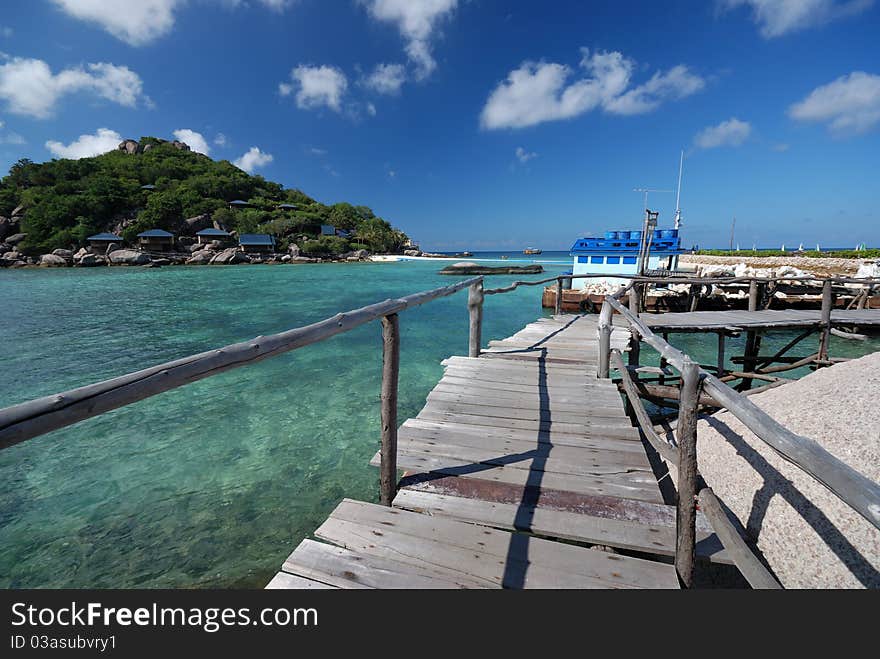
(154, 184)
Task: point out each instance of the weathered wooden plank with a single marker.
(508, 559)
(492, 417)
(534, 459)
(576, 446)
(603, 434)
(513, 390)
(637, 536)
(285, 581)
(551, 406)
(343, 568)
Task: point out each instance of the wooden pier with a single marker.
(517, 454)
(524, 469)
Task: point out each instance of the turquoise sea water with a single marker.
(212, 484)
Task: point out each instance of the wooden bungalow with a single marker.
(207, 235)
(156, 240)
(257, 243)
(101, 241)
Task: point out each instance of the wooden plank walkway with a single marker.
(698, 321)
(516, 455)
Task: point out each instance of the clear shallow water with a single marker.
(215, 483)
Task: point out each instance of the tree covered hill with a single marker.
(65, 201)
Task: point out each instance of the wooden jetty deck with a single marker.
(516, 455)
(701, 321)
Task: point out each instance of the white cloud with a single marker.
(386, 78)
(524, 156)
(850, 104)
(5, 31)
(253, 159)
(371, 109)
(539, 92)
(778, 17)
(86, 146)
(732, 132)
(316, 86)
(317, 152)
(416, 20)
(136, 23)
(139, 22)
(29, 87)
(220, 139)
(11, 137)
(196, 141)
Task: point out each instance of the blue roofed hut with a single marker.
(287, 207)
(207, 235)
(257, 242)
(239, 203)
(328, 230)
(101, 241)
(156, 240)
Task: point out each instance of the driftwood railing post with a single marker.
(752, 341)
(827, 302)
(558, 309)
(390, 371)
(686, 512)
(635, 340)
(604, 340)
(475, 307)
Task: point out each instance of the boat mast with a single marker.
(678, 195)
(732, 227)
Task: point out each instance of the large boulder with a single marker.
(129, 146)
(197, 223)
(200, 257)
(63, 253)
(158, 263)
(52, 261)
(181, 146)
(230, 256)
(17, 212)
(293, 250)
(80, 254)
(196, 248)
(128, 257)
(112, 247)
(412, 252)
(15, 238)
(91, 260)
(808, 536)
(14, 255)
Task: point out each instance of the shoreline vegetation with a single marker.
(50, 211)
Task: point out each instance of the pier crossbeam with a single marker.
(517, 454)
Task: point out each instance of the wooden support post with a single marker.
(827, 302)
(661, 379)
(475, 307)
(635, 347)
(635, 299)
(558, 309)
(390, 371)
(720, 368)
(604, 339)
(686, 512)
(751, 338)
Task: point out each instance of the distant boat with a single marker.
(531, 250)
(504, 257)
(801, 247)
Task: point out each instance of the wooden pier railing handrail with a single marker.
(853, 488)
(39, 416)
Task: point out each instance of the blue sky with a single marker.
(481, 124)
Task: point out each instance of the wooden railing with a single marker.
(24, 421)
(854, 489)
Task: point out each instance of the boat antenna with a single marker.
(646, 191)
(678, 195)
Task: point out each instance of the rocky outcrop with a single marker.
(65, 254)
(470, 268)
(182, 146)
(230, 256)
(128, 257)
(52, 261)
(91, 260)
(15, 238)
(129, 146)
(200, 257)
(197, 223)
(412, 252)
(303, 259)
